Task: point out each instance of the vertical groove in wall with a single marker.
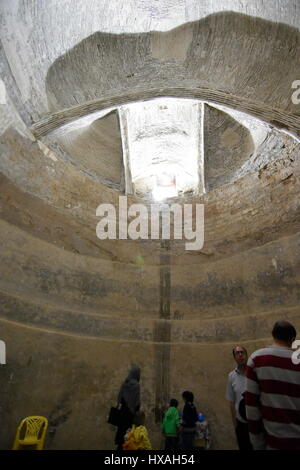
(162, 334)
(201, 151)
(125, 146)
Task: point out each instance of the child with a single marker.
(170, 426)
(137, 438)
(188, 422)
(203, 435)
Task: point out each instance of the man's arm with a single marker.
(253, 411)
(230, 396)
(233, 415)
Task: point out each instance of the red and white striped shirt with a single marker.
(273, 399)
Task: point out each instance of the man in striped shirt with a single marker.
(273, 393)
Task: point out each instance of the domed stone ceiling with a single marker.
(97, 100)
(199, 145)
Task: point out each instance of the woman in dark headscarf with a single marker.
(129, 398)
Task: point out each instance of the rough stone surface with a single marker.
(227, 145)
(97, 148)
(76, 311)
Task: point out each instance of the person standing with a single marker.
(129, 401)
(236, 386)
(203, 438)
(188, 422)
(170, 426)
(273, 393)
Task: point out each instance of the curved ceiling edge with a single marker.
(275, 117)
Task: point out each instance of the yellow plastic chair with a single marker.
(31, 432)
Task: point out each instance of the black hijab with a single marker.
(130, 389)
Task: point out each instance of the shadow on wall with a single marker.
(235, 58)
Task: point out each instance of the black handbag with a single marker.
(114, 416)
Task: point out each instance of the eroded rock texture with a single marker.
(76, 311)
